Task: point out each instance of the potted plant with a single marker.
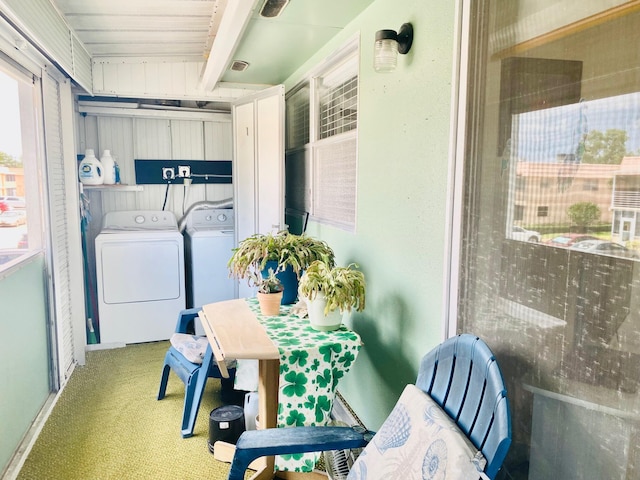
(287, 254)
(330, 291)
(270, 292)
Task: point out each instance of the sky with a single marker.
(10, 138)
(543, 134)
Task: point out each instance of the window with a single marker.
(518, 213)
(322, 147)
(17, 166)
(555, 97)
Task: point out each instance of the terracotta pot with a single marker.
(269, 303)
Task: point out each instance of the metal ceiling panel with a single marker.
(273, 47)
(141, 27)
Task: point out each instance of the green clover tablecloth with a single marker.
(311, 364)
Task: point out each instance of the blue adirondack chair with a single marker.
(193, 375)
(461, 375)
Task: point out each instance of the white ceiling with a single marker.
(273, 47)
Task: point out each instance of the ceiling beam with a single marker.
(233, 24)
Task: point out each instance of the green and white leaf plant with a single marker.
(330, 291)
(286, 253)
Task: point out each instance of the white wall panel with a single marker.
(218, 145)
(159, 78)
(187, 142)
(217, 141)
(153, 138)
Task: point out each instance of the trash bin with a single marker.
(226, 423)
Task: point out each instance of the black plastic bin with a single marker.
(226, 423)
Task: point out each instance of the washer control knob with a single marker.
(208, 218)
(139, 219)
(222, 217)
(154, 218)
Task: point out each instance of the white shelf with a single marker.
(114, 188)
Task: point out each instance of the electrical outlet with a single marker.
(168, 173)
(184, 171)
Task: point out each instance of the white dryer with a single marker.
(209, 243)
(140, 276)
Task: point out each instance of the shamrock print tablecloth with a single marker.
(311, 365)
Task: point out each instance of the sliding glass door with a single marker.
(550, 265)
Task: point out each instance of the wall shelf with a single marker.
(114, 188)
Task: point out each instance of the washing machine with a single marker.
(209, 243)
(140, 276)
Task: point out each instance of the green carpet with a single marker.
(107, 424)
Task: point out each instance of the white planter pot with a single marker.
(318, 319)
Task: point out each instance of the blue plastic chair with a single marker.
(192, 374)
(461, 375)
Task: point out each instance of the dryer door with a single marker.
(141, 271)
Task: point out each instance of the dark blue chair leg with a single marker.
(193, 375)
(193, 395)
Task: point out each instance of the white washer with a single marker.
(140, 276)
(209, 243)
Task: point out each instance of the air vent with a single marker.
(239, 66)
(273, 8)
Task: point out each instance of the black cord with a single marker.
(166, 194)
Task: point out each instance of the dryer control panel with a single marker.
(213, 218)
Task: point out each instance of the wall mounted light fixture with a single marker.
(389, 44)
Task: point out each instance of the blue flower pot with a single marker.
(289, 281)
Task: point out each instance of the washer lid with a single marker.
(139, 220)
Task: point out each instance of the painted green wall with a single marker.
(24, 376)
(403, 139)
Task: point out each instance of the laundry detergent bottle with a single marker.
(109, 167)
(90, 171)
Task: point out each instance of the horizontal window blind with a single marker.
(334, 193)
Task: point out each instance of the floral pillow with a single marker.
(418, 441)
(191, 346)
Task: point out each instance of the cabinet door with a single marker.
(244, 174)
(258, 165)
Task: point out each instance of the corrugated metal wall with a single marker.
(160, 78)
(40, 21)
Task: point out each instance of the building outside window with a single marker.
(553, 145)
(16, 97)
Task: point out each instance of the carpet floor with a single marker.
(107, 424)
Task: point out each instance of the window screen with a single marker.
(321, 173)
(553, 147)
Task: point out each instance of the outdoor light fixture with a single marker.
(388, 44)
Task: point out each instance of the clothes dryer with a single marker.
(140, 276)
(209, 243)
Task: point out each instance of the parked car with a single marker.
(605, 248)
(569, 239)
(13, 201)
(524, 235)
(24, 241)
(13, 218)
